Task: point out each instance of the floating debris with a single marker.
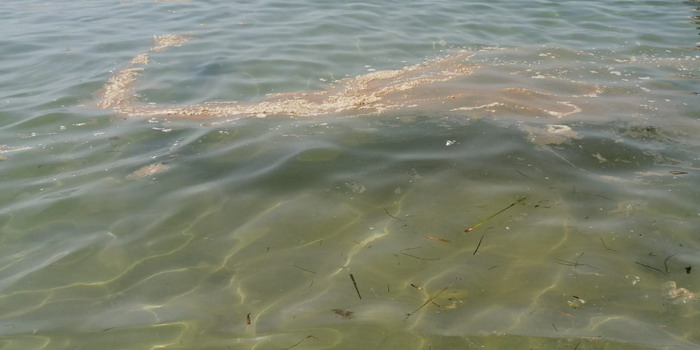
(148, 170)
(551, 134)
(469, 229)
(344, 314)
(392, 216)
(8, 149)
(418, 257)
(605, 246)
(355, 284)
(372, 93)
(574, 264)
(649, 267)
(305, 269)
(355, 187)
(576, 302)
(437, 239)
(165, 41)
(666, 261)
(566, 314)
(479, 244)
(426, 303)
(677, 295)
(635, 279)
(451, 300)
(301, 341)
(600, 158)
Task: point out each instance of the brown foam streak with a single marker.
(421, 85)
(367, 94)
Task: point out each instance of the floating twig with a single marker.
(426, 303)
(437, 239)
(649, 267)
(418, 257)
(416, 287)
(247, 319)
(605, 246)
(301, 341)
(355, 284)
(304, 269)
(479, 244)
(566, 314)
(521, 173)
(387, 213)
(469, 229)
(571, 263)
(666, 261)
(574, 264)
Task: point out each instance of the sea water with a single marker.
(569, 154)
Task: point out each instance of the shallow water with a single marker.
(243, 233)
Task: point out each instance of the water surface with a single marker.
(242, 233)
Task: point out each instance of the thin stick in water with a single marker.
(426, 303)
(648, 267)
(304, 269)
(469, 229)
(605, 246)
(301, 341)
(355, 284)
(479, 244)
(666, 261)
(392, 216)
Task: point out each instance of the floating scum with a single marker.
(543, 90)
(423, 86)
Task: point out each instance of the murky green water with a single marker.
(243, 233)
